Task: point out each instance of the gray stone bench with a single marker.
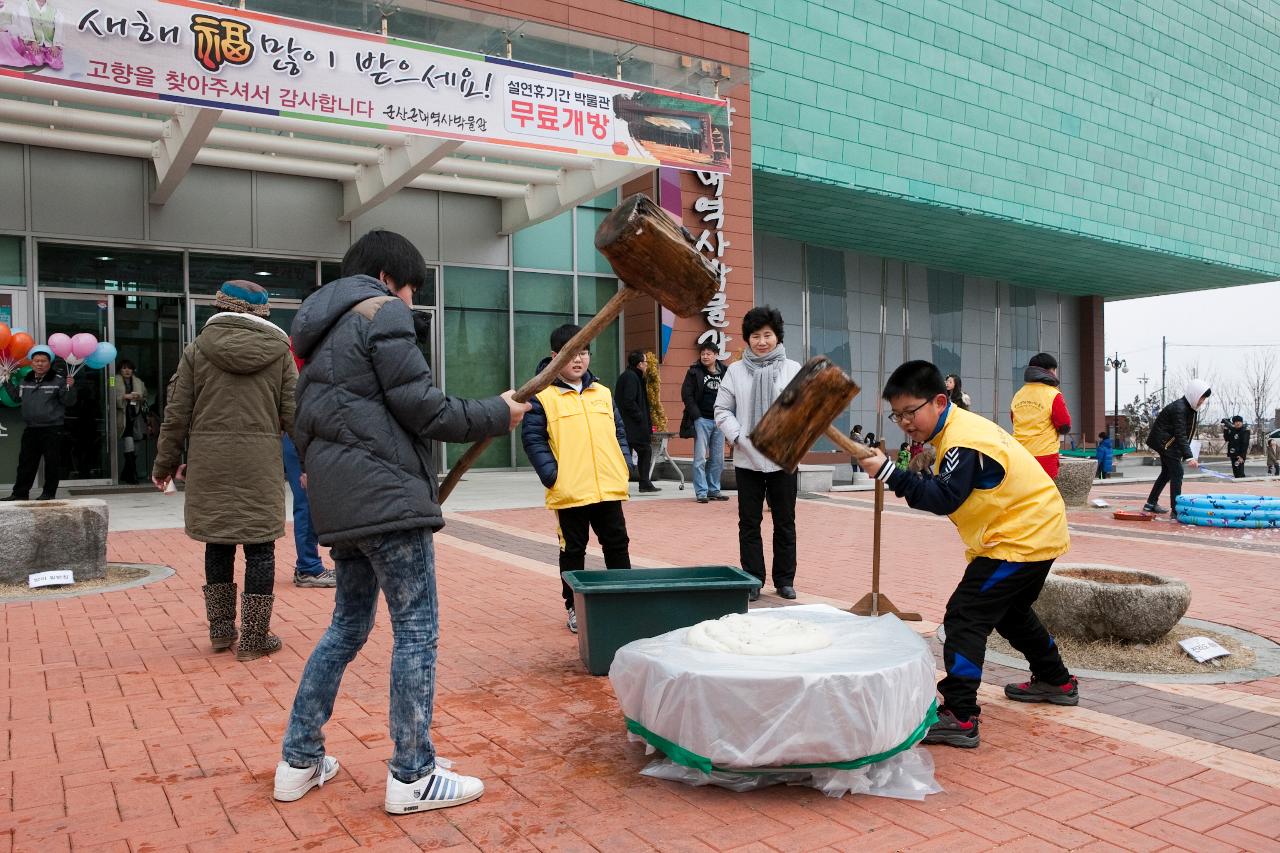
(46, 536)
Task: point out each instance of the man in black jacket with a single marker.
(45, 395)
(367, 414)
(698, 392)
(1170, 438)
(633, 404)
(1237, 438)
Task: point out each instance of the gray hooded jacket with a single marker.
(367, 412)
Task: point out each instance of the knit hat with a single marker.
(243, 297)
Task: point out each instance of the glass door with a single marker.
(147, 332)
(85, 449)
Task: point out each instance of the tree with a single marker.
(1258, 379)
(1140, 414)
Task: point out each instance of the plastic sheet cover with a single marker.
(843, 718)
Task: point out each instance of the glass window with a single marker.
(477, 353)
(828, 317)
(281, 277)
(606, 350)
(543, 302)
(11, 261)
(546, 246)
(104, 268)
(1024, 322)
(425, 295)
(589, 260)
(946, 319)
(330, 271)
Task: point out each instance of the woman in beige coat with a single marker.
(231, 398)
(131, 402)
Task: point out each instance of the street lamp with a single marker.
(1121, 366)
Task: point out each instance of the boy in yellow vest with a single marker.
(1039, 412)
(575, 439)
(1013, 524)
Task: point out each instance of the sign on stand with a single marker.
(56, 578)
(1203, 649)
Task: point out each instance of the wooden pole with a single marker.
(873, 603)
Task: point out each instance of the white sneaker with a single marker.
(573, 620)
(293, 782)
(439, 789)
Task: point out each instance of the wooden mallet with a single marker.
(803, 412)
(653, 255)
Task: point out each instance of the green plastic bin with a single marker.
(618, 606)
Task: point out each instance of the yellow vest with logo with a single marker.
(584, 439)
(1023, 519)
(1032, 409)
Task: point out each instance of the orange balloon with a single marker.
(5, 334)
(20, 344)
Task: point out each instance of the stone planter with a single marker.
(44, 536)
(1096, 602)
(1075, 479)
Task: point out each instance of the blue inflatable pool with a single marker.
(1247, 511)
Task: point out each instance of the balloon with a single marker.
(102, 356)
(60, 344)
(18, 376)
(83, 345)
(19, 344)
(5, 334)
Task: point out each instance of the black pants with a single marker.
(259, 566)
(644, 457)
(995, 595)
(1171, 473)
(1237, 466)
(1101, 473)
(779, 489)
(37, 443)
(606, 519)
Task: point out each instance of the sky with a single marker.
(1219, 329)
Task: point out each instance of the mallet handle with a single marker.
(848, 445)
(543, 380)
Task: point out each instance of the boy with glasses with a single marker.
(576, 441)
(1014, 525)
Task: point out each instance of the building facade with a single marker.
(908, 179)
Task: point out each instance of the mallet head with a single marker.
(804, 410)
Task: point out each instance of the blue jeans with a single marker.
(706, 478)
(402, 564)
(304, 535)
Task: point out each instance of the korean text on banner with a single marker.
(211, 55)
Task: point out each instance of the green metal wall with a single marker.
(1138, 138)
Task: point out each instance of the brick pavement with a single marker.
(123, 732)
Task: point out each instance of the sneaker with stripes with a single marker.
(439, 789)
(293, 782)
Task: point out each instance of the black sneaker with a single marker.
(718, 497)
(951, 732)
(1156, 508)
(703, 499)
(1036, 690)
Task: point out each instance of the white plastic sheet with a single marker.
(864, 695)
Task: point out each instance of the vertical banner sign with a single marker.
(671, 200)
(713, 243)
(210, 55)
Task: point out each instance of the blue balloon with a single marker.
(102, 356)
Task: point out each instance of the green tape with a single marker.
(685, 758)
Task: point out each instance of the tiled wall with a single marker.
(1147, 122)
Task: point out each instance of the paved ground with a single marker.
(124, 732)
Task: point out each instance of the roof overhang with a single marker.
(372, 165)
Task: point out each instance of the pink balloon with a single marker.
(83, 345)
(60, 344)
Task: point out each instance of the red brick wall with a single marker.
(1093, 389)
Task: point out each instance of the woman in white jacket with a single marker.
(748, 389)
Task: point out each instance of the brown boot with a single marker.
(220, 607)
(255, 619)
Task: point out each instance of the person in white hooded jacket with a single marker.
(748, 389)
(1170, 437)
